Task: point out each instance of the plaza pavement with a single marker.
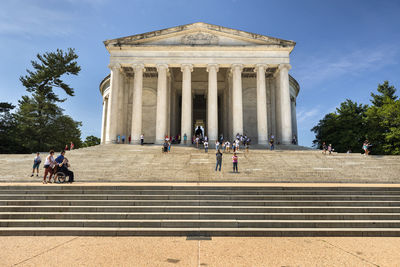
(178, 251)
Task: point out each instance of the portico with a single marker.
(169, 81)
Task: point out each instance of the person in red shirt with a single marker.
(71, 147)
(66, 147)
(235, 162)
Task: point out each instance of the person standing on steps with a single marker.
(142, 139)
(123, 139)
(36, 163)
(219, 160)
(185, 138)
(205, 146)
(235, 162)
(71, 146)
(324, 148)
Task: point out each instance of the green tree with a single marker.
(385, 91)
(8, 142)
(41, 122)
(344, 129)
(91, 140)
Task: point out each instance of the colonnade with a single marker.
(112, 112)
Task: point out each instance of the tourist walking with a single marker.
(48, 166)
(237, 144)
(129, 139)
(366, 147)
(219, 160)
(324, 148)
(227, 146)
(271, 144)
(142, 139)
(205, 146)
(165, 147)
(123, 139)
(235, 162)
(36, 163)
(185, 138)
(216, 145)
(330, 149)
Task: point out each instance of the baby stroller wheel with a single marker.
(61, 177)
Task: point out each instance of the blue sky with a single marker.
(344, 48)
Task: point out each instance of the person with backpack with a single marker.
(219, 160)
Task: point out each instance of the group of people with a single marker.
(222, 144)
(326, 148)
(71, 146)
(52, 166)
(235, 160)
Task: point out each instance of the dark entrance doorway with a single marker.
(199, 113)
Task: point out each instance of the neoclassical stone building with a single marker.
(227, 81)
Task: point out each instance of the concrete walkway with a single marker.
(178, 251)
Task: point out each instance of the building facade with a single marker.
(225, 81)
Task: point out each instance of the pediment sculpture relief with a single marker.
(200, 38)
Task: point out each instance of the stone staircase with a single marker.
(135, 163)
(199, 210)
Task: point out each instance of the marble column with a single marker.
(262, 124)
(212, 103)
(294, 119)
(237, 102)
(186, 114)
(112, 111)
(120, 113)
(285, 108)
(161, 116)
(103, 121)
(136, 130)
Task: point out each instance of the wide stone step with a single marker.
(204, 223)
(194, 197)
(162, 203)
(120, 188)
(196, 215)
(262, 191)
(110, 231)
(201, 209)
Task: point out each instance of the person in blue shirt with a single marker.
(60, 158)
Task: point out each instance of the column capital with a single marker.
(237, 66)
(114, 66)
(137, 67)
(213, 65)
(284, 66)
(187, 66)
(259, 66)
(162, 67)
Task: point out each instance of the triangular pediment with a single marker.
(198, 34)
